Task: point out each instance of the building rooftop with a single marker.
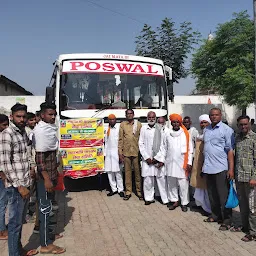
(15, 85)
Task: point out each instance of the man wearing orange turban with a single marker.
(112, 166)
(176, 153)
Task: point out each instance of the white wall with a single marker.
(194, 106)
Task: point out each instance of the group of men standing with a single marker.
(28, 161)
(171, 159)
(178, 157)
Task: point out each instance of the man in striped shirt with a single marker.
(14, 162)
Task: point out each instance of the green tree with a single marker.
(168, 43)
(225, 64)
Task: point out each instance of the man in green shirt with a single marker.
(245, 175)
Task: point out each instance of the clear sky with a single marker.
(34, 32)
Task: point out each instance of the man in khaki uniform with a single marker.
(128, 150)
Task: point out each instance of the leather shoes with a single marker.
(149, 202)
(121, 194)
(184, 208)
(111, 193)
(173, 206)
(169, 204)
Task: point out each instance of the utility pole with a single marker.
(254, 19)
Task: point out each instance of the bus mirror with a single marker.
(169, 72)
(49, 95)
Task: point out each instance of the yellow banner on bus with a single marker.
(83, 132)
(82, 162)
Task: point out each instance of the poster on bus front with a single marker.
(82, 162)
(79, 133)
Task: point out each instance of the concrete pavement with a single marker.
(96, 225)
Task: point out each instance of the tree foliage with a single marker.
(168, 43)
(225, 64)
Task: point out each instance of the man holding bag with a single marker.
(245, 175)
(218, 167)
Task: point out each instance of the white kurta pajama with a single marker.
(150, 172)
(163, 179)
(201, 195)
(112, 166)
(172, 153)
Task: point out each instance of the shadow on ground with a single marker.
(99, 182)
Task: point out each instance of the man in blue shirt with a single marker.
(218, 167)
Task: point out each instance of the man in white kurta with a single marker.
(112, 166)
(149, 170)
(176, 152)
(161, 121)
(192, 130)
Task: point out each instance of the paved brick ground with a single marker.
(96, 225)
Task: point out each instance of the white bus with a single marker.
(96, 85)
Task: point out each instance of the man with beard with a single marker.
(176, 153)
(149, 170)
(198, 181)
(13, 146)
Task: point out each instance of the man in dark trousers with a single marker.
(245, 175)
(218, 167)
(46, 145)
(15, 164)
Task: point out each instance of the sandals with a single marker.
(54, 250)
(29, 253)
(58, 236)
(236, 229)
(249, 238)
(4, 235)
(224, 227)
(210, 220)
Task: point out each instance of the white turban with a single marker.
(204, 117)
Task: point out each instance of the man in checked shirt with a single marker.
(46, 145)
(14, 161)
(245, 175)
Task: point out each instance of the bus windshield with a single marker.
(95, 90)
